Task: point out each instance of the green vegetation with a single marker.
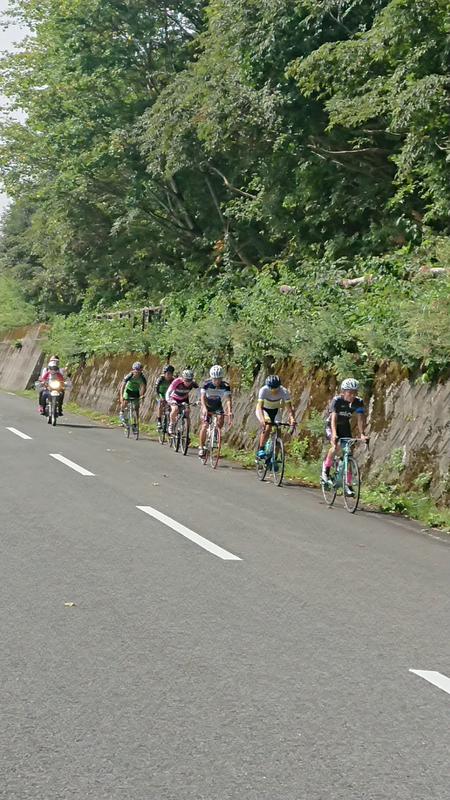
(14, 309)
(209, 153)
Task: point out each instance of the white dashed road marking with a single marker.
(188, 534)
(436, 678)
(71, 464)
(19, 433)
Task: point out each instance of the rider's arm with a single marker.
(172, 386)
(203, 401)
(361, 420)
(260, 411)
(144, 386)
(333, 423)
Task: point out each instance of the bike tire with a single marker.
(351, 503)
(185, 436)
(177, 438)
(216, 443)
(261, 465)
(163, 431)
(54, 412)
(329, 489)
(278, 462)
(135, 423)
(127, 427)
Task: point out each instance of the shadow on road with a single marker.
(74, 425)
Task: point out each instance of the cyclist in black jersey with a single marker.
(338, 424)
(161, 386)
(213, 394)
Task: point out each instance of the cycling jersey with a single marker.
(213, 395)
(161, 386)
(178, 392)
(132, 385)
(273, 399)
(344, 411)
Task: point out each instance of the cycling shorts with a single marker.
(270, 414)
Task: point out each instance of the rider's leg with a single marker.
(174, 411)
(328, 461)
(60, 403)
(43, 397)
(160, 408)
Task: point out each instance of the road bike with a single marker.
(274, 458)
(344, 476)
(179, 439)
(213, 442)
(163, 430)
(131, 418)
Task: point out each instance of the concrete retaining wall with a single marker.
(407, 416)
(20, 366)
(403, 415)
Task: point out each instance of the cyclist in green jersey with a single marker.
(161, 386)
(133, 387)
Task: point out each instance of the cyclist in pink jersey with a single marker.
(178, 393)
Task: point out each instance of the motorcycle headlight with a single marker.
(54, 384)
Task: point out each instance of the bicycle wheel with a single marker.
(185, 436)
(329, 489)
(277, 462)
(207, 447)
(163, 430)
(177, 436)
(127, 423)
(136, 421)
(216, 441)
(352, 485)
(261, 464)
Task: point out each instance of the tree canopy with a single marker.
(196, 145)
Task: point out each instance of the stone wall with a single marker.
(410, 417)
(20, 366)
(402, 414)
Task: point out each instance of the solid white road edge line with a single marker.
(19, 433)
(71, 464)
(194, 537)
(436, 678)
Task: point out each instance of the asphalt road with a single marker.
(274, 668)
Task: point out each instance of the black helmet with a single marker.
(168, 368)
(273, 382)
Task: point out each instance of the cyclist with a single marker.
(178, 393)
(212, 395)
(133, 387)
(338, 424)
(272, 398)
(161, 386)
(52, 372)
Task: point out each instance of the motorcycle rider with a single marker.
(52, 372)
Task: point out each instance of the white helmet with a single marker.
(187, 375)
(53, 364)
(350, 384)
(216, 371)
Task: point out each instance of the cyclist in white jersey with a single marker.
(272, 398)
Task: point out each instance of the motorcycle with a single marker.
(53, 389)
